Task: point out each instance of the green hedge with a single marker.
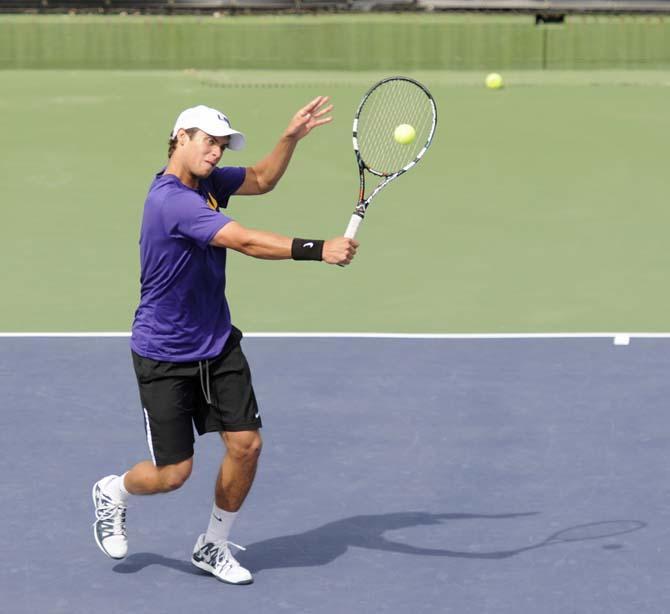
(361, 42)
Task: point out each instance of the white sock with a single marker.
(116, 489)
(220, 523)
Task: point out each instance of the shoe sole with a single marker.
(208, 568)
(95, 533)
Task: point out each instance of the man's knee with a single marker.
(244, 446)
(174, 476)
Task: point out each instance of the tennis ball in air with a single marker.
(404, 134)
(494, 81)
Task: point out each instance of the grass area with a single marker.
(442, 78)
(541, 207)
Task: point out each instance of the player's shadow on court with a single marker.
(324, 544)
(138, 561)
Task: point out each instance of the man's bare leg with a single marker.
(233, 482)
(145, 478)
(110, 495)
(238, 469)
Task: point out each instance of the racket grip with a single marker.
(352, 228)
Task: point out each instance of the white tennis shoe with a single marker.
(109, 527)
(217, 559)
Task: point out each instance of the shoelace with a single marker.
(222, 555)
(111, 516)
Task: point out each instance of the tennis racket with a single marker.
(585, 532)
(579, 533)
(382, 135)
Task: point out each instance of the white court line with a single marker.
(64, 334)
(327, 335)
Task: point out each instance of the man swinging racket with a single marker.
(186, 352)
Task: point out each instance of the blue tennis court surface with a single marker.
(397, 476)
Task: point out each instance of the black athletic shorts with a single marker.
(213, 396)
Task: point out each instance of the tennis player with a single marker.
(190, 368)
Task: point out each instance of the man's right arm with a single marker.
(272, 246)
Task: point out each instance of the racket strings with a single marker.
(389, 105)
(597, 530)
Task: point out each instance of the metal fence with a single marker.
(213, 6)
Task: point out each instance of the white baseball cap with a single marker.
(212, 122)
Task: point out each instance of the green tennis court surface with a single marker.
(540, 207)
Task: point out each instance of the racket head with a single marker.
(386, 105)
(597, 530)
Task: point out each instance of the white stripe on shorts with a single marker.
(148, 429)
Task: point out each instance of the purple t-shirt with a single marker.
(183, 314)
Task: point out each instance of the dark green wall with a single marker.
(348, 42)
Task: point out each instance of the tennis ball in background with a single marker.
(494, 81)
(404, 134)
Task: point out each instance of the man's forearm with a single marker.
(271, 168)
(266, 245)
(256, 243)
(273, 246)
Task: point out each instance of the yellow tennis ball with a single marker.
(494, 81)
(404, 134)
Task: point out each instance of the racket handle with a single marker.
(352, 228)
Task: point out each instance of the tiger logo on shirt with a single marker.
(212, 203)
